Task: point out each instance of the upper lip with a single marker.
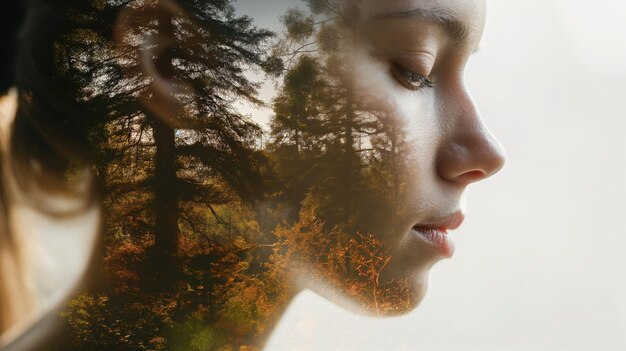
(450, 222)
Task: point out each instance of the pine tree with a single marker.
(166, 75)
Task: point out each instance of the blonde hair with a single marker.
(36, 149)
(16, 299)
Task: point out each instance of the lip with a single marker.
(435, 233)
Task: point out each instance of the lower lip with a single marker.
(436, 238)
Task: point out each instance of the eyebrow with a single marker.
(458, 30)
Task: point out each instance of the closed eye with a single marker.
(410, 79)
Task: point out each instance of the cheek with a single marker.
(417, 112)
(379, 93)
(414, 118)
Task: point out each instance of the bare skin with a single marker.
(408, 59)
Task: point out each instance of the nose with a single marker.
(470, 152)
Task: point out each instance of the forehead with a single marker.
(462, 9)
(469, 13)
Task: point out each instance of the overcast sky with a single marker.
(540, 260)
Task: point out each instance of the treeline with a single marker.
(202, 225)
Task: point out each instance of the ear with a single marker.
(151, 55)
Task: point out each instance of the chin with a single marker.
(400, 296)
(393, 296)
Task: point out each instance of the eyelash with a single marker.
(410, 79)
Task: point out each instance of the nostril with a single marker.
(472, 176)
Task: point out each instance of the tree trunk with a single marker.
(165, 190)
(165, 184)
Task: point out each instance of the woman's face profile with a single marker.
(373, 140)
(404, 62)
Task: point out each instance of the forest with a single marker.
(206, 212)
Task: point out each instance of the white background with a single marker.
(540, 261)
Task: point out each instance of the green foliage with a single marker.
(194, 334)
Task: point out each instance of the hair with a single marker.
(12, 287)
(41, 141)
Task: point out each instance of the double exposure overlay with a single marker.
(214, 220)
